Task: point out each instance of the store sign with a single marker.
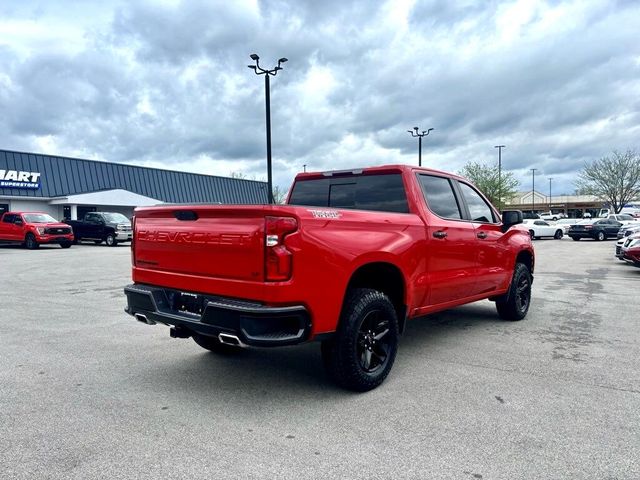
(18, 179)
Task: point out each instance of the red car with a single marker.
(631, 249)
(349, 259)
(33, 229)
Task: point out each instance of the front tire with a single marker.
(532, 234)
(514, 304)
(30, 241)
(575, 239)
(361, 354)
(65, 244)
(214, 345)
(111, 240)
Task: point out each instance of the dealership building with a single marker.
(70, 187)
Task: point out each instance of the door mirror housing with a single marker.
(510, 218)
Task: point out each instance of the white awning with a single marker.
(112, 198)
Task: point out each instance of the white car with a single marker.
(540, 228)
(566, 223)
(623, 218)
(551, 216)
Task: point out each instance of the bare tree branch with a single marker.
(615, 179)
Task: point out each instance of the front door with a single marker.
(450, 253)
(492, 253)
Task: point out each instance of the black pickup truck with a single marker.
(99, 227)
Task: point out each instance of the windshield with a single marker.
(38, 218)
(116, 218)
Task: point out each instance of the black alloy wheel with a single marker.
(373, 345)
(30, 241)
(361, 353)
(514, 304)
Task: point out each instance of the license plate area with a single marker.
(189, 303)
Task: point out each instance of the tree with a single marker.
(615, 179)
(485, 177)
(279, 193)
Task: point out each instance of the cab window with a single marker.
(441, 200)
(479, 210)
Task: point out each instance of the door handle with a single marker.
(482, 235)
(440, 234)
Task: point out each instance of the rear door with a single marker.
(8, 229)
(492, 253)
(451, 246)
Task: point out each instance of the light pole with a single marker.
(414, 133)
(500, 147)
(267, 73)
(533, 190)
(304, 168)
(550, 178)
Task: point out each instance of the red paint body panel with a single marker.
(223, 253)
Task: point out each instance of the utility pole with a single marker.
(533, 190)
(267, 73)
(500, 147)
(414, 133)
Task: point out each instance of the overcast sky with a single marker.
(166, 84)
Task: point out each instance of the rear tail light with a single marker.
(278, 259)
(133, 240)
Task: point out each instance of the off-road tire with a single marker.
(514, 304)
(363, 307)
(214, 345)
(30, 241)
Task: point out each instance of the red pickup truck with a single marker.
(350, 258)
(33, 229)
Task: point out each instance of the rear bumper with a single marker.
(254, 324)
(582, 234)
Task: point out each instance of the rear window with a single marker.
(384, 193)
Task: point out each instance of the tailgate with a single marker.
(210, 241)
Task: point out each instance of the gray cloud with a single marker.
(167, 84)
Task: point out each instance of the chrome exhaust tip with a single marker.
(143, 318)
(229, 339)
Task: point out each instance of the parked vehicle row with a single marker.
(33, 229)
(628, 249)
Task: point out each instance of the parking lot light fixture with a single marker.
(258, 70)
(500, 147)
(533, 190)
(415, 133)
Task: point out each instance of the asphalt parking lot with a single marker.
(88, 392)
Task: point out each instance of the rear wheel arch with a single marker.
(384, 277)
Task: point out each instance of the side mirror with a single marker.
(510, 218)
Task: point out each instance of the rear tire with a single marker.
(601, 236)
(558, 235)
(514, 304)
(30, 241)
(213, 345)
(532, 234)
(360, 355)
(65, 245)
(575, 238)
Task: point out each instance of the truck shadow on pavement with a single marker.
(298, 370)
